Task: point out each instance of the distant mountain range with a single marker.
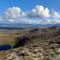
(25, 26)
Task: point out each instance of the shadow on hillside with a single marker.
(21, 41)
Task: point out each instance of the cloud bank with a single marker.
(44, 15)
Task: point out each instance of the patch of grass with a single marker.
(7, 39)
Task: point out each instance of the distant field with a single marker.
(6, 39)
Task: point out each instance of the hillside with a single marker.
(35, 44)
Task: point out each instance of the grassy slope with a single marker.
(39, 35)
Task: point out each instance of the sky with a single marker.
(30, 11)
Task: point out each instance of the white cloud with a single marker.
(39, 21)
(40, 11)
(14, 12)
(55, 14)
(51, 21)
(0, 18)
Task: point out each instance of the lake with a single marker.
(5, 47)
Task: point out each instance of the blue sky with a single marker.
(27, 6)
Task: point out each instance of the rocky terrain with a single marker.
(36, 44)
(32, 52)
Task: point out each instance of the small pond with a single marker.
(5, 47)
